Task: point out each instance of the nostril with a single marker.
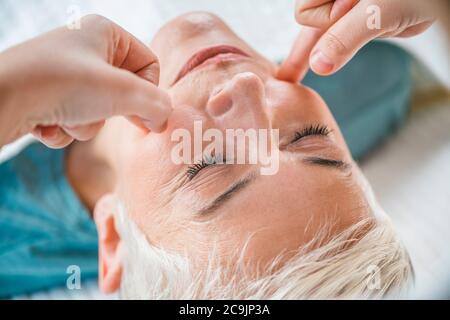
(221, 100)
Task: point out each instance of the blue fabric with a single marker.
(44, 229)
(370, 97)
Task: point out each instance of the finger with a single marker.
(84, 133)
(139, 98)
(415, 30)
(140, 124)
(121, 49)
(110, 92)
(113, 88)
(322, 13)
(53, 137)
(296, 66)
(133, 55)
(342, 41)
(314, 13)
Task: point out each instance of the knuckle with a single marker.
(61, 113)
(301, 13)
(97, 22)
(313, 14)
(334, 44)
(300, 18)
(300, 5)
(95, 19)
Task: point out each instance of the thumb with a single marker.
(138, 99)
(343, 40)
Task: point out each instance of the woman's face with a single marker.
(223, 205)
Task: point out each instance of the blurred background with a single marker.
(410, 172)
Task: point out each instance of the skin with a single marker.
(111, 73)
(74, 80)
(326, 45)
(281, 212)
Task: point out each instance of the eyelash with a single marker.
(205, 163)
(313, 130)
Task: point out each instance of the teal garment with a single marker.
(370, 96)
(44, 229)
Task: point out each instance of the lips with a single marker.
(212, 55)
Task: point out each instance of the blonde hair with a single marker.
(366, 261)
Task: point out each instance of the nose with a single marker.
(240, 104)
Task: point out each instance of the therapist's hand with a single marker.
(63, 85)
(337, 29)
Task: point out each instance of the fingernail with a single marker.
(321, 64)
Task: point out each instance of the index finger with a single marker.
(322, 13)
(296, 66)
(133, 55)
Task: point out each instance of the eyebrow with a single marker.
(228, 194)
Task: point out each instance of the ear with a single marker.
(110, 258)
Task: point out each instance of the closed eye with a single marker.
(313, 130)
(207, 162)
(324, 131)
